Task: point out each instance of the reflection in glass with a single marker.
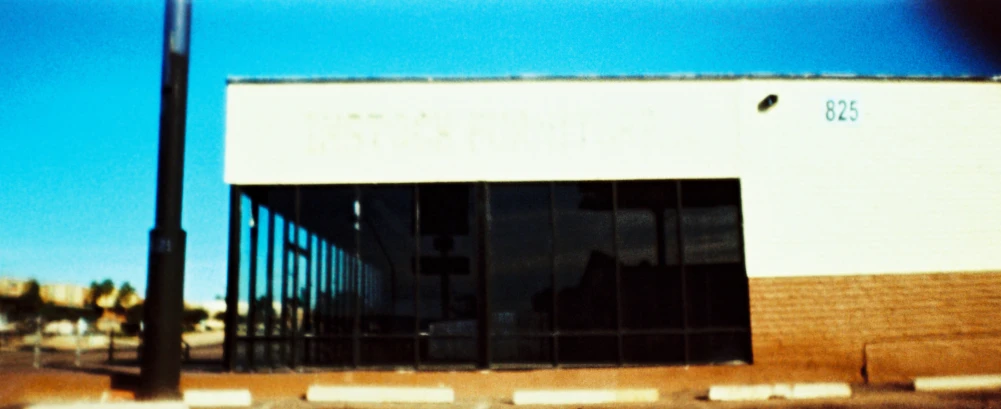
(585, 259)
(387, 248)
(651, 281)
(732, 347)
(711, 221)
(648, 349)
(448, 284)
(717, 296)
(520, 255)
(524, 349)
(588, 349)
(569, 245)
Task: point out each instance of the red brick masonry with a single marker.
(906, 321)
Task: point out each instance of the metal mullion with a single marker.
(342, 302)
(449, 336)
(327, 284)
(307, 311)
(417, 275)
(283, 355)
(662, 331)
(553, 320)
(328, 301)
(293, 335)
(743, 266)
(524, 334)
(589, 333)
(269, 318)
(318, 316)
(335, 301)
(294, 347)
(252, 294)
(356, 328)
(589, 365)
(483, 294)
(618, 272)
(376, 335)
(681, 267)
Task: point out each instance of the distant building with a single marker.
(110, 300)
(110, 321)
(12, 287)
(65, 295)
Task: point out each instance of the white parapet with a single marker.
(957, 383)
(584, 396)
(113, 405)
(740, 392)
(218, 398)
(379, 394)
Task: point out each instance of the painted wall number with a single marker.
(842, 110)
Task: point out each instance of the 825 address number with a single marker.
(841, 110)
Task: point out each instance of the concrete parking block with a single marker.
(113, 405)
(378, 394)
(584, 396)
(782, 390)
(740, 392)
(217, 398)
(820, 391)
(957, 383)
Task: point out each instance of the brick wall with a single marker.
(827, 321)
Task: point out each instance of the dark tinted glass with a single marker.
(387, 351)
(717, 296)
(651, 349)
(524, 350)
(711, 222)
(587, 248)
(728, 348)
(330, 209)
(387, 248)
(647, 222)
(334, 352)
(521, 258)
(585, 259)
(588, 350)
(452, 350)
(651, 282)
(448, 281)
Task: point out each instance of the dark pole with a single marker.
(483, 267)
(232, 279)
(252, 293)
(160, 373)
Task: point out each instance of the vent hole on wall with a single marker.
(768, 102)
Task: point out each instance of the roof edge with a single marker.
(531, 77)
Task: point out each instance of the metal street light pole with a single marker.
(160, 374)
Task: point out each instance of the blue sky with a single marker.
(79, 89)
